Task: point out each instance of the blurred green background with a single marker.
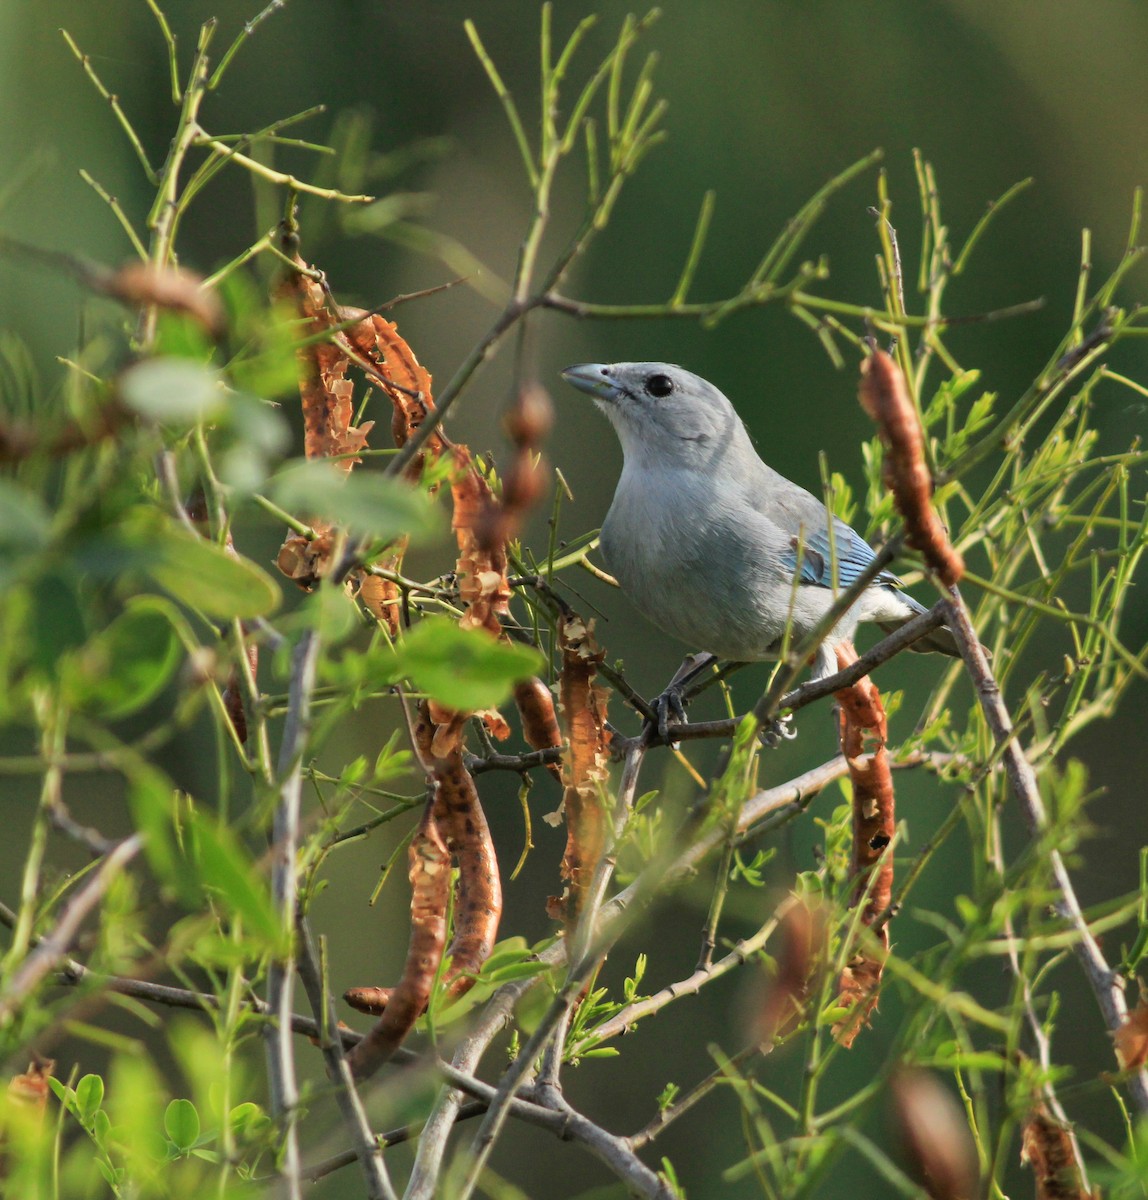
(767, 101)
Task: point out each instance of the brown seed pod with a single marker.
(862, 717)
(1047, 1147)
(535, 703)
(936, 1136)
(140, 285)
(430, 893)
(478, 896)
(885, 398)
(585, 764)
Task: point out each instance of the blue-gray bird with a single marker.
(707, 540)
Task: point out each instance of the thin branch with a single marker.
(367, 1147)
(393, 1137)
(282, 1081)
(52, 948)
(1105, 983)
(585, 957)
(626, 1018)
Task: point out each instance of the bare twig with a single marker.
(284, 894)
(52, 948)
(367, 1147)
(1105, 983)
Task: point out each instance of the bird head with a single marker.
(661, 412)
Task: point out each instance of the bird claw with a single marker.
(780, 729)
(669, 709)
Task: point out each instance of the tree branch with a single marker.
(1105, 983)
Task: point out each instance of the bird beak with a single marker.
(593, 379)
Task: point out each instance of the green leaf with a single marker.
(226, 869)
(248, 1120)
(181, 1124)
(151, 797)
(178, 391)
(464, 668)
(89, 1097)
(124, 666)
(365, 503)
(204, 576)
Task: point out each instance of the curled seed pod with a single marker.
(401, 376)
(458, 817)
(535, 702)
(862, 717)
(935, 1135)
(885, 398)
(370, 1000)
(430, 893)
(478, 896)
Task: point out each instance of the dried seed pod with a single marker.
(430, 894)
(585, 764)
(398, 372)
(936, 1136)
(326, 392)
(801, 931)
(1046, 1146)
(885, 398)
(370, 1000)
(1132, 1038)
(862, 717)
(524, 480)
(140, 285)
(535, 703)
(478, 896)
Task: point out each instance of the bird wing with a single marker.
(849, 552)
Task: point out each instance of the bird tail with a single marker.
(939, 640)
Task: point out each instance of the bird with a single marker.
(715, 547)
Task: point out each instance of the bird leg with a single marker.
(780, 729)
(669, 707)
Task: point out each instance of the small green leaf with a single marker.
(124, 666)
(178, 391)
(151, 797)
(226, 869)
(365, 503)
(204, 576)
(248, 1120)
(464, 668)
(181, 1124)
(89, 1097)
(521, 970)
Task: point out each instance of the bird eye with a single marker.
(659, 386)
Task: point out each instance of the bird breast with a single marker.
(699, 561)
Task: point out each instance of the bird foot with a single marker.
(780, 729)
(669, 709)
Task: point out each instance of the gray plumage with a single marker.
(706, 540)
